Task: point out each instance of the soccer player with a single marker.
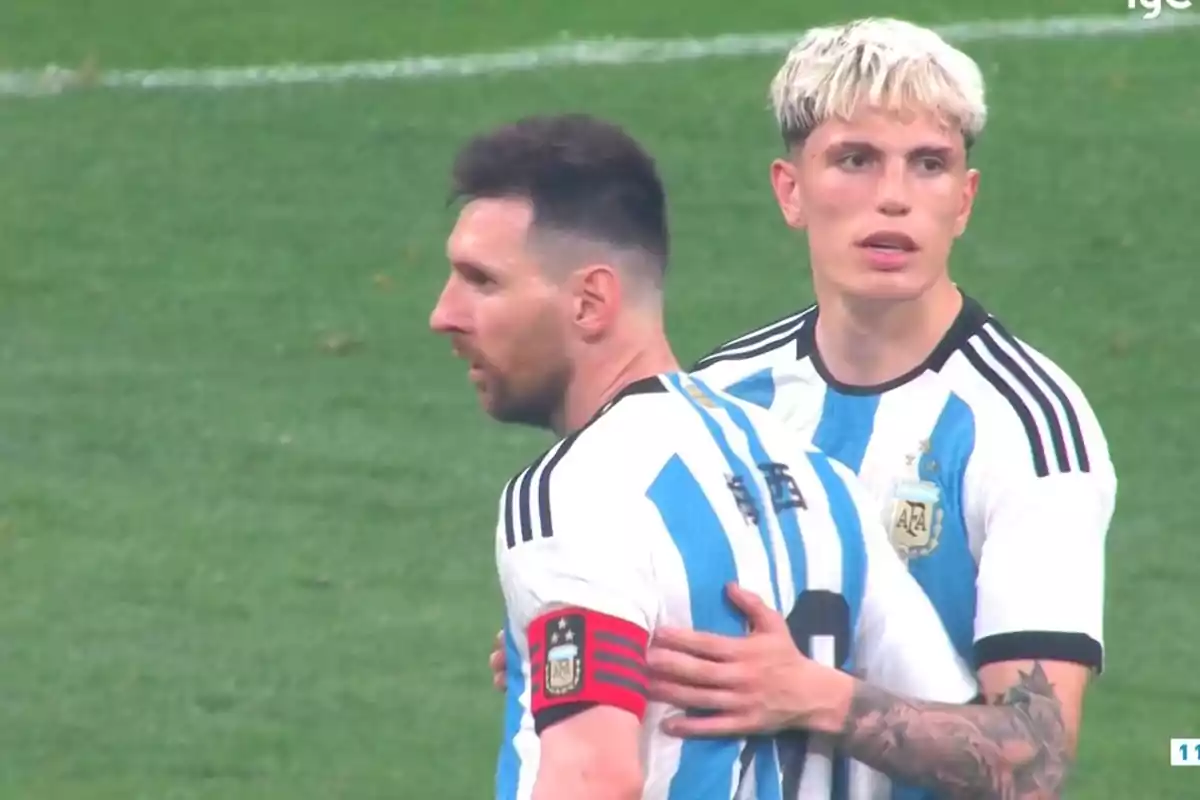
(660, 492)
(983, 458)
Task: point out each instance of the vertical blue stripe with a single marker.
(912, 793)
(847, 421)
(767, 775)
(948, 573)
(766, 761)
(767, 771)
(706, 766)
(758, 388)
(849, 527)
(508, 766)
(789, 523)
(739, 468)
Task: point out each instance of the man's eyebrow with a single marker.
(853, 144)
(938, 150)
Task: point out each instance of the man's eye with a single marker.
(477, 278)
(931, 164)
(854, 160)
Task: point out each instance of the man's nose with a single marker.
(446, 316)
(894, 190)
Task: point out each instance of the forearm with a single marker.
(1015, 748)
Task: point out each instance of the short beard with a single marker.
(538, 407)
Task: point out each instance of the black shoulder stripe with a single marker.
(1037, 449)
(510, 531)
(776, 328)
(544, 516)
(530, 506)
(760, 341)
(523, 505)
(528, 509)
(1081, 453)
(1022, 376)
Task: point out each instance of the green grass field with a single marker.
(246, 499)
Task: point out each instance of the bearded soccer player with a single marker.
(983, 458)
(660, 492)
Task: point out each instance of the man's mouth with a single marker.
(889, 242)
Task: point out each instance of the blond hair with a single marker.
(881, 63)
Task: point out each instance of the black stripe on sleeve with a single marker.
(770, 337)
(1022, 376)
(556, 714)
(1076, 648)
(1077, 439)
(544, 515)
(1036, 447)
(525, 502)
(527, 496)
(506, 508)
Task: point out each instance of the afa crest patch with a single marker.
(916, 519)
(564, 637)
(580, 656)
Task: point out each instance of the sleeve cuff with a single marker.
(1077, 648)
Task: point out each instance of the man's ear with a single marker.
(786, 188)
(969, 191)
(597, 295)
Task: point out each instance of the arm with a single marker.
(591, 756)
(587, 707)
(585, 615)
(1038, 639)
(1019, 745)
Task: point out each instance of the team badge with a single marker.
(916, 521)
(564, 655)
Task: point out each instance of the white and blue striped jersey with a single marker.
(670, 493)
(986, 464)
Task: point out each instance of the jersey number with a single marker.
(817, 614)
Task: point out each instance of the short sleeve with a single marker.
(1039, 513)
(581, 549)
(1040, 588)
(578, 581)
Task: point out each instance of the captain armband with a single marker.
(581, 658)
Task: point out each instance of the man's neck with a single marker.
(866, 343)
(596, 384)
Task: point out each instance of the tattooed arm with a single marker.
(1019, 746)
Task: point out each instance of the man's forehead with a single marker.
(490, 222)
(887, 128)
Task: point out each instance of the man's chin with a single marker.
(514, 414)
(889, 286)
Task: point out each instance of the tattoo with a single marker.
(1015, 748)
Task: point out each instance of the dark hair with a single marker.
(582, 175)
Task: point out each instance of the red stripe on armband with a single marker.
(581, 656)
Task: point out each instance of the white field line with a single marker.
(591, 52)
